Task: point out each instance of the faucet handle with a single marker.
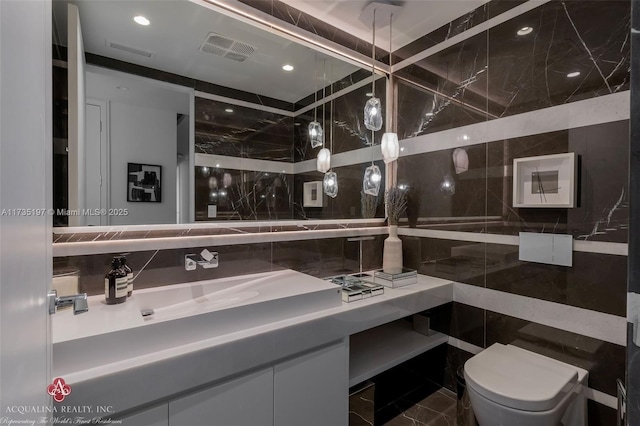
(79, 302)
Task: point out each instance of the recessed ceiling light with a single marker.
(524, 31)
(296, 124)
(122, 88)
(141, 20)
(369, 94)
(228, 110)
(217, 165)
(287, 67)
(573, 74)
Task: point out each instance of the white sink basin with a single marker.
(183, 314)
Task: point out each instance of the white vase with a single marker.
(392, 256)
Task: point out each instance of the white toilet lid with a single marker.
(519, 379)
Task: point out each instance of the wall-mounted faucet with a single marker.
(360, 240)
(79, 302)
(207, 259)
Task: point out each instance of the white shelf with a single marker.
(381, 348)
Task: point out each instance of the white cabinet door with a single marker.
(313, 389)
(245, 401)
(156, 416)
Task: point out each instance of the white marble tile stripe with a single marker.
(356, 156)
(607, 327)
(240, 163)
(602, 398)
(465, 346)
(599, 110)
(595, 395)
(143, 244)
(601, 247)
(503, 17)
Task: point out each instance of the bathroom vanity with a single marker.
(275, 348)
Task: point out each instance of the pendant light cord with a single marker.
(315, 87)
(373, 75)
(331, 115)
(391, 123)
(373, 57)
(324, 101)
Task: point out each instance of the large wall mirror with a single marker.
(186, 114)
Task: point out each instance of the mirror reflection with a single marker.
(220, 108)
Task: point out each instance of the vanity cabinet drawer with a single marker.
(244, 401)
(156, 416)
(312, 389)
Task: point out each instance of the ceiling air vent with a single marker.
(216, 44)
(129, 49)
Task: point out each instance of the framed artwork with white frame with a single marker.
(312, 194)
(545, 181)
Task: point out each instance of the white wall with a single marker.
(145, 135)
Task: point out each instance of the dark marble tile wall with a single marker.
(437, 192)
(441, 199)
(530, 72)
(446, 90)
(603, 190)
(243, 195)
(236, 131)
(467, 21)
(155, 268)
(596, 281)
(605, 361)
(459, 261)
(328, 257)
(498, 73)
(348, 123)
(348, 204)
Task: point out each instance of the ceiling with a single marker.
(412, 20)
(177, 30)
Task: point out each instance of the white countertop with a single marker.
(178, 365)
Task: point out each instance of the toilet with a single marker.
(510, 386)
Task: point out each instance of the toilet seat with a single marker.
(519, 379)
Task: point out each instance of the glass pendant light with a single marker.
(316, 135)
(330, 181)
(330, 184)
(371, 181)
(372, 121)
(389, 145)
(373, 108)
(323, 162)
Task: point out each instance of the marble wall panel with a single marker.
(232, 130)
(242, 194)
(529, 72)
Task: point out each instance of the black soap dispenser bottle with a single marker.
(129, 272)
(115, 284)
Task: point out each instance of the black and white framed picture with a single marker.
(144, 183)
(545, 181)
